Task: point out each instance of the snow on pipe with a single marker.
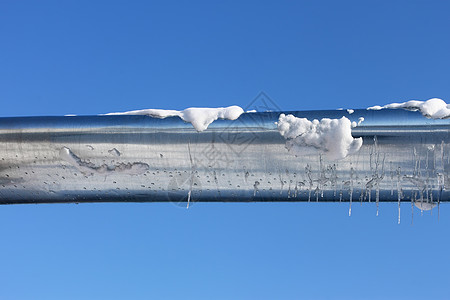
(353, 155)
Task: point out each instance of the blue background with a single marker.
(86, 57)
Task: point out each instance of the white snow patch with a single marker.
(199, 117)
(331, 137)
(251, 111)
(434, 108)
(350, 111)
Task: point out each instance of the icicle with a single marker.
(350, 205)
(317, 193)
(379, 178)
(416, 162)
(439, 212)
(216, 180)
(308, 174)
(334, 179)
(377, 193)
(421, 203)
(282, 184)
(351, 191)
(290, 181)
(191, 179)
(255, 188)
(399, 192)
(321, 180)
(392, 178)
(430, 192)
(189, 199)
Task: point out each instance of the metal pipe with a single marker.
(404, 157)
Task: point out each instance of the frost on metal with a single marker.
(330, 137)
(87, 167)
(199, 117)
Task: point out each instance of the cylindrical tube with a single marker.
(404, 157)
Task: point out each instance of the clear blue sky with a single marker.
(90, 57)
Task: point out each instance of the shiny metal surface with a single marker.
(404, 156)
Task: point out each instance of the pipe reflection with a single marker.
(404, 157)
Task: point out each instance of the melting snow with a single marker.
(434, 108)
(331, 137)
(199, 117)
(424, 205)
